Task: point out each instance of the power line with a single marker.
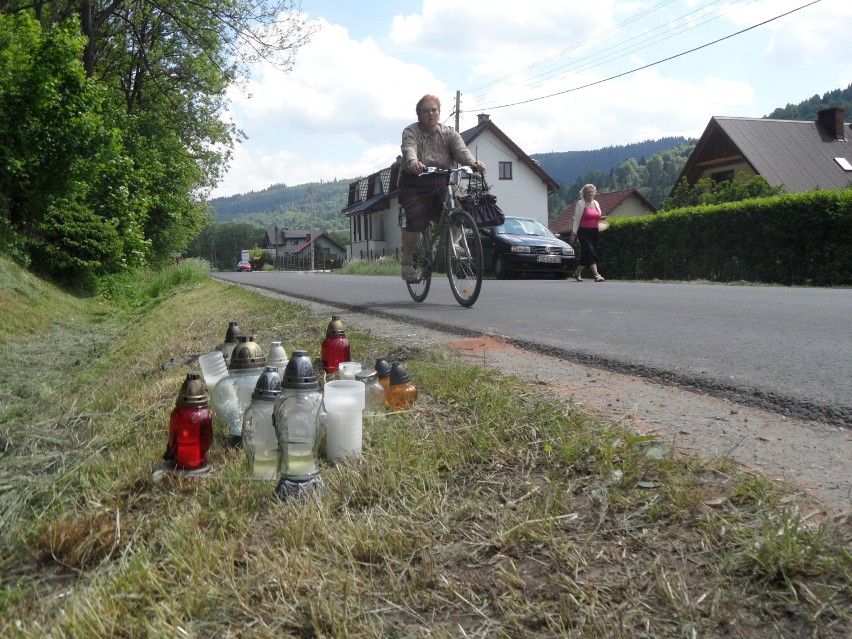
(599, 58)
(576, 45)
(652, 64)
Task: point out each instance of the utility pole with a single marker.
(311, 203)
(458, 108)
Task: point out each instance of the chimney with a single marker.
(831, 119)
(483, 118)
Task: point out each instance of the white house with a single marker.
(520, 184)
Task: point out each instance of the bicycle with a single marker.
(457, 232)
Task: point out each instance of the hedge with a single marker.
(791, 239)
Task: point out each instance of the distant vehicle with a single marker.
(523, 245)
(244, 266)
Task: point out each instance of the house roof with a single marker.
(608, 202)
(485, 124)
(305, 245)
(798, 154)
(378, 202)
(373, 193)
(284, 235)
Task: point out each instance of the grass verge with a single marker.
(381, 266)
(489, 509)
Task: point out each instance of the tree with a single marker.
(706, 191)
(221, 243)
(150, 78)
(58, 153)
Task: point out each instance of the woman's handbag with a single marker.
(481, 205)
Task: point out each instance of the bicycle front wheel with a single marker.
(419, 288)
(464, 257)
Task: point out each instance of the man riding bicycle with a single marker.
(426, 142)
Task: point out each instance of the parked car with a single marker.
(524, 245)
(244, 266)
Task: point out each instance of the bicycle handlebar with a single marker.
(434, 169)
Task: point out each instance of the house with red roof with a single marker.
(281, 244)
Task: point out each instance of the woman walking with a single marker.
(587, 216)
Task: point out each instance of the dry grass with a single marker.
(489, 510)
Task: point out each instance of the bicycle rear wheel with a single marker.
(464, 257)
(419, 289)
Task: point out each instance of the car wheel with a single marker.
(500, 271)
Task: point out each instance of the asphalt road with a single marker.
(785, 349)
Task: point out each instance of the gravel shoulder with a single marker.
(809, 456)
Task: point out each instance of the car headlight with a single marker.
(520, 249)
(567, 251)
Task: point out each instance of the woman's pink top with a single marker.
(590, 219)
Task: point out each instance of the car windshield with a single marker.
(519, 226)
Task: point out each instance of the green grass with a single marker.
(488, 509)
(382, 266)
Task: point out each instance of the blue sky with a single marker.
(543, 70)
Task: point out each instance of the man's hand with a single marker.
(478, 166)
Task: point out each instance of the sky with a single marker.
(553, 75)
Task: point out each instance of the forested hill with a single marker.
(807, 109)
(287, 206)
(567, 166)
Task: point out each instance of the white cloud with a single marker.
(340, 112)
(817, 34)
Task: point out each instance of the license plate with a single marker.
(550, 259)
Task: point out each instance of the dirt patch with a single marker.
(811, 456)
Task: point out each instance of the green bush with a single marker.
(792, 239)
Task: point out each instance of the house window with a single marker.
(722, 176)
(505, 170)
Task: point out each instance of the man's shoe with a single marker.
(408, 273)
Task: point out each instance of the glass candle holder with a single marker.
(344, 403)
(259, 439)
(190, 426)
(232, 337)
(299, 420)
(213, 368)
(232, 395)
(348, 370)
(374, 393)
(383, 369)
(401, 392)
(335, 346)
(277, 357)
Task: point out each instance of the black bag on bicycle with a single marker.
(481, 205)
